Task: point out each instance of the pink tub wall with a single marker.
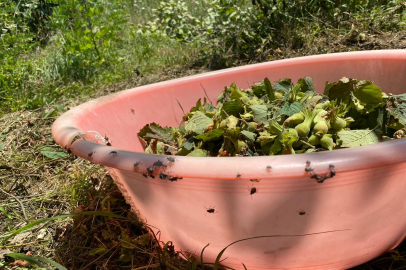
(366, 205)
(368, 227)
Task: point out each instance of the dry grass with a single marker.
(34, 187)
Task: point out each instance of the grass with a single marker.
(48, 75)
(34, 186)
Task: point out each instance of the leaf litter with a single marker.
(283, 118)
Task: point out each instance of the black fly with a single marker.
(114, 153)
(136, 164)
(308, 169)
(163, 175)
(210, 210)
(171, 159)
(268, 167)
(332, 170)
(174, 178)
(320, 178)
(150, 170)
(238, 175)
(302, 212)
(159, 164)
(91, 154)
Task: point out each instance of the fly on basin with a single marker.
(353, 217)
(282, 118)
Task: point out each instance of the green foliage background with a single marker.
(52, 50)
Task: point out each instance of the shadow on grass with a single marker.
(102, 242)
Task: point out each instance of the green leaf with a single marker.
(209, 107)
(284, 85)
(260, 113)
(289, 136)
(368, 93)
(400, 113)
(402, 97)
(311, 100)
(2, 145)
(276, 147)
(340, 91)
(259, 89)
(275, 127)
(306, 85)
(198, 153)
(188, 144)
(232, 134)
(290, 109)
(250, 136)
(183, 151)
(265, 137)
(353, 138)
(269, 91)
(235, 92)
(155, 131)
(96, 251)
(198, 105)
(50, 153)
(161, 133)
(215, 134)
(198, 123)
(36, 260)
(233, 107)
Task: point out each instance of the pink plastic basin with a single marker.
(345, 221)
